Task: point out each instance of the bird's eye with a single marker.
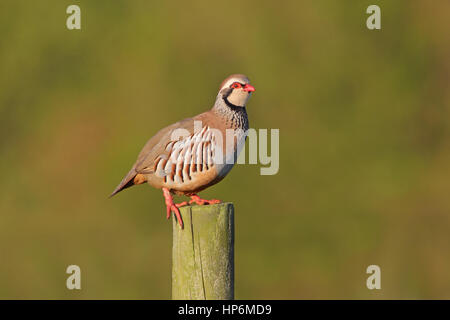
(236, 85)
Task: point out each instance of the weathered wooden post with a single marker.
(203, 253)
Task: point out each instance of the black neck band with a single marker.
(232, 106)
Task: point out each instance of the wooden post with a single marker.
(203, 253)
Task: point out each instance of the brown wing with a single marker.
(157, 144)
(154, 148)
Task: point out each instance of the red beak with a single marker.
(249, 88)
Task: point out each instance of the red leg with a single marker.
(195, 198)
(171, 206)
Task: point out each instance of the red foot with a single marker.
(195, 198)
(171, 206)
(182, 204)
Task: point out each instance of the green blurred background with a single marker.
(364, 144)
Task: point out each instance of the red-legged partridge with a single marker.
(193, 154)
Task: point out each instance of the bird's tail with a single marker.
(131, 179)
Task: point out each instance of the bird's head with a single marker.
(236, 90)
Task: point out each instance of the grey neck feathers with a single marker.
(234, 117)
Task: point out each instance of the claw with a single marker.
(171, 206)
(195, 198)
(168, 211)
(176, 211)
(182, 204)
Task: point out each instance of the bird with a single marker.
(193, 154)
